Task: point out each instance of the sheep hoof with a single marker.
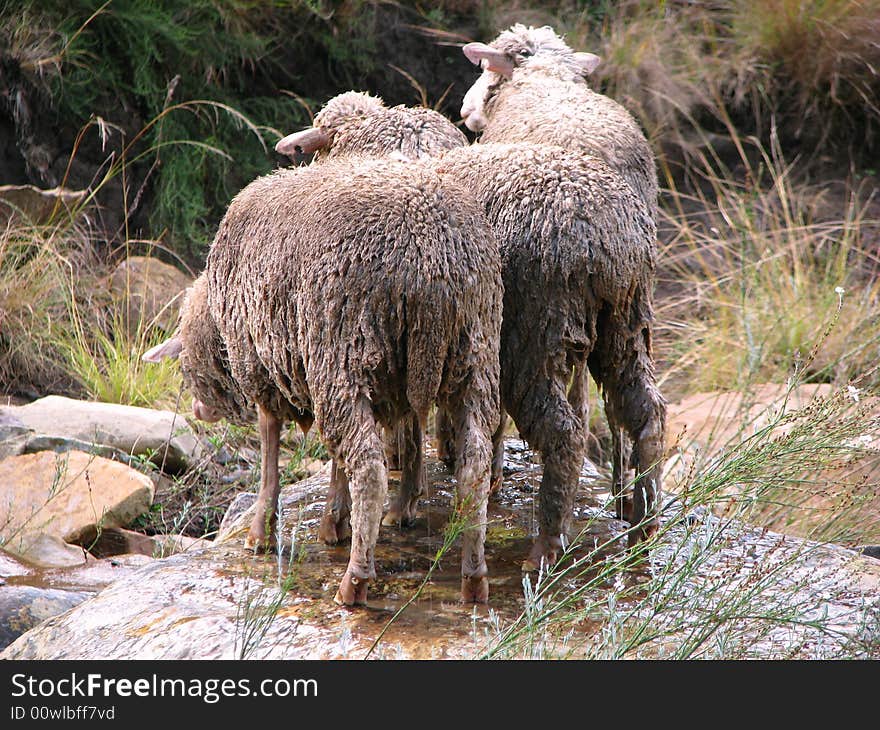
(397, 517)
(258, 543)
(352, 591)
(333, 532)
(642, 533)
(544, 553)
(475, 589)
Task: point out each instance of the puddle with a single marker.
(404, 556)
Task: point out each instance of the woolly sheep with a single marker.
(360, 125)
(578, 249)
(533, 89)
(578, 260)
(361, 293)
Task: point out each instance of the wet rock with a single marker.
(90, 577)
(30, 204)
(60, 424)
(220, 602)
(148, 291)
(11, 566)
(50, 498)
(23, 607)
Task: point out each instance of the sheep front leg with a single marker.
(263, 525)
(402, 511)
(335, 524)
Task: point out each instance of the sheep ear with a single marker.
(490, 58)
(304, 142)
(169, 348)
(587, 62)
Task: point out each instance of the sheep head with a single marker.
(203, 361)
(519, 47)
(359, 124)
(340, 110)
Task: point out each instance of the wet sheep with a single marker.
(361, 294)
(578, 254)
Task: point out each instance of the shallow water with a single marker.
(404, 555)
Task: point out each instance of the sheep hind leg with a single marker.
(335, 524)
(473, 470)
(558, 434)
(259, 538)
(444, 438)
(368, 483)
(636, 410)
(444, 441)
(413, 479)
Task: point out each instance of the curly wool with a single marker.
(204, 361)
(548, 101)
(578, 259)
(357, 280)
(360, 124)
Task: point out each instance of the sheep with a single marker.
(357, 123)
(578, 259)
(533, 89)
(362, 293)
(578, 250)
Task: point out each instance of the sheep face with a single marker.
(538, 49)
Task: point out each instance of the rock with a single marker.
(34, 205)
(23, 607)
(65, 496)
(118, 541)
(239, 505)
(90, 577)
(712, 420)
(11, 566)
(166, 545)
(13, 434)
(314, 466)
(219, 602)
(46, 551)
(872, 551)
(704, 425)
(60, 423)
(148, 291)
